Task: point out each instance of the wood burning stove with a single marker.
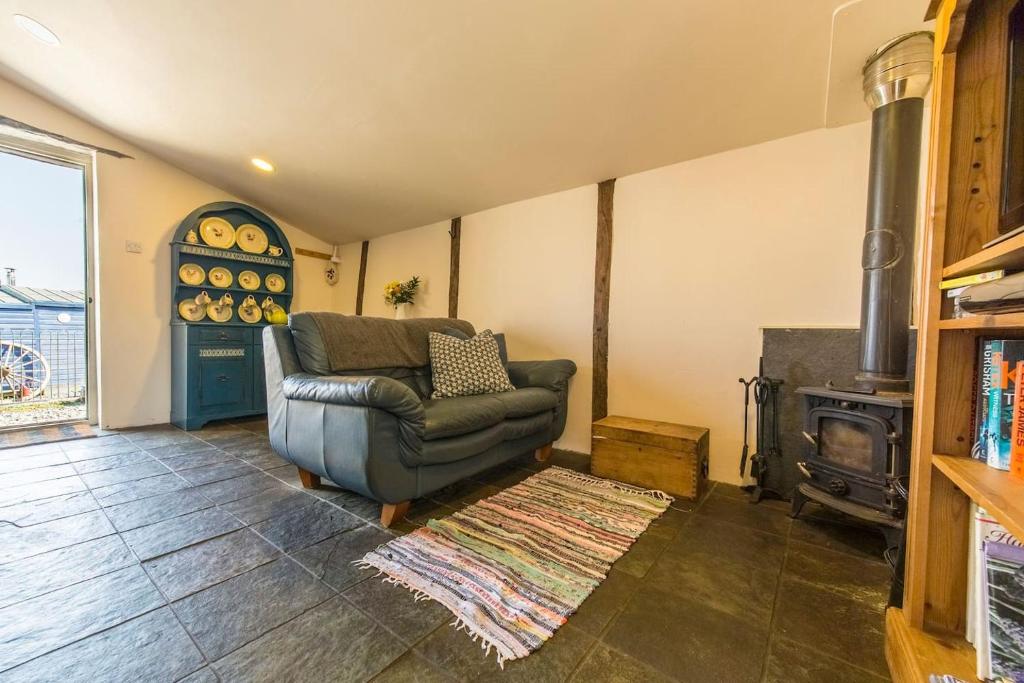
(858, 441)
(857, 456)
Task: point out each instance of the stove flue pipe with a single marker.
(896, 79)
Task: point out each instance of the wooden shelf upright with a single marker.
(964, 181)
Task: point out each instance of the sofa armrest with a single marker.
(546, 374)
(378, 392)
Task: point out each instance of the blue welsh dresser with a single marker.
(217, 367)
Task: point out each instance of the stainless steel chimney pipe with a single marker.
(896, 79)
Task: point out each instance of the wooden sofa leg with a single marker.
(542, 453)
(393, 513)
(308, 479)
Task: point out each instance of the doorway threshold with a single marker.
(16, 437)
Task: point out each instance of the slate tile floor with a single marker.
(159, 555)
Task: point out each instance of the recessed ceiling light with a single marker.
(263, 164)
(36, 30)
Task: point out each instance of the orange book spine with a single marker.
(1017, 427)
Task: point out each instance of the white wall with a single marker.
(424, 252)
(143, 199)
(527, 269)
(706, 252)
(348, 283)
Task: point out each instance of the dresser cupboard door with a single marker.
(223, 378)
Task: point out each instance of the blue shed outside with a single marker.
(51, 321)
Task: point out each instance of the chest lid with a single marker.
(676, 437)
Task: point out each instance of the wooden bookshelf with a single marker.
(996, 491)
(965, 148)
(1005, 321)
(920, 653)
(1008, 255)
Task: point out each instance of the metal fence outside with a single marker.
(40, 366)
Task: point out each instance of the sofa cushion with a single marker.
(466, 367)
(526, 402)
(519, 427)
(447, 417)
(499, 337)
(455, 448)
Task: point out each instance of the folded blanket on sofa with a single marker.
(331, 342)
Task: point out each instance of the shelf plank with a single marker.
(239, 290)
(995, 490)
(1003, 321)
(1008, 254)
(913, 654)
(232, 255)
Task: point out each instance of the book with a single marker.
(972, 547)
(993, 430)
(979, 450)
(959, 311)
(984, 529)
(966, 280)
(1005, 354)
(1004, 591)
(1017, 425)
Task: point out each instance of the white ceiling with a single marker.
(389, 114)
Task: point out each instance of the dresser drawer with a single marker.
(220, 335)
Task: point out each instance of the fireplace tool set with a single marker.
(766, 401)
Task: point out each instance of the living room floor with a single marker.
(155, 554)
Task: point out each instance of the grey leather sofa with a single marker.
(375, 430)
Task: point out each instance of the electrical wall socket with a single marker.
(133, 247)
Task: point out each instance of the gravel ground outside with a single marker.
(27, 414)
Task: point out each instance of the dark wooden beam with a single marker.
(602, 290)
(312, 254)
(453, 268)
(362, 277)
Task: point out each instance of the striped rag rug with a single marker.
(514, 566)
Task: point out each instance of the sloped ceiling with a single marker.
(382, 115)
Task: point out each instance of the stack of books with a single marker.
(995, 599)
(998, 423)
(955, 287)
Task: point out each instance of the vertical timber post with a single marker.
(362, 277)
(602, 290)
(453, 273)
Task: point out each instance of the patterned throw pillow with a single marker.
(467, 367)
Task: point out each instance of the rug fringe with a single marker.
(485, 643)
(611, 484)
(418, 595)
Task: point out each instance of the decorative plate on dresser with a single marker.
(217, 367)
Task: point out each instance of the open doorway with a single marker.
(45, 303)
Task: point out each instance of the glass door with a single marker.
(45, 301)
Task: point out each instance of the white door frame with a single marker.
(36, 147)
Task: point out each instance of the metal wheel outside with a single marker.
(24, 372)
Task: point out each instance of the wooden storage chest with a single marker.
(660, 455)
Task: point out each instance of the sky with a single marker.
(42, 231)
